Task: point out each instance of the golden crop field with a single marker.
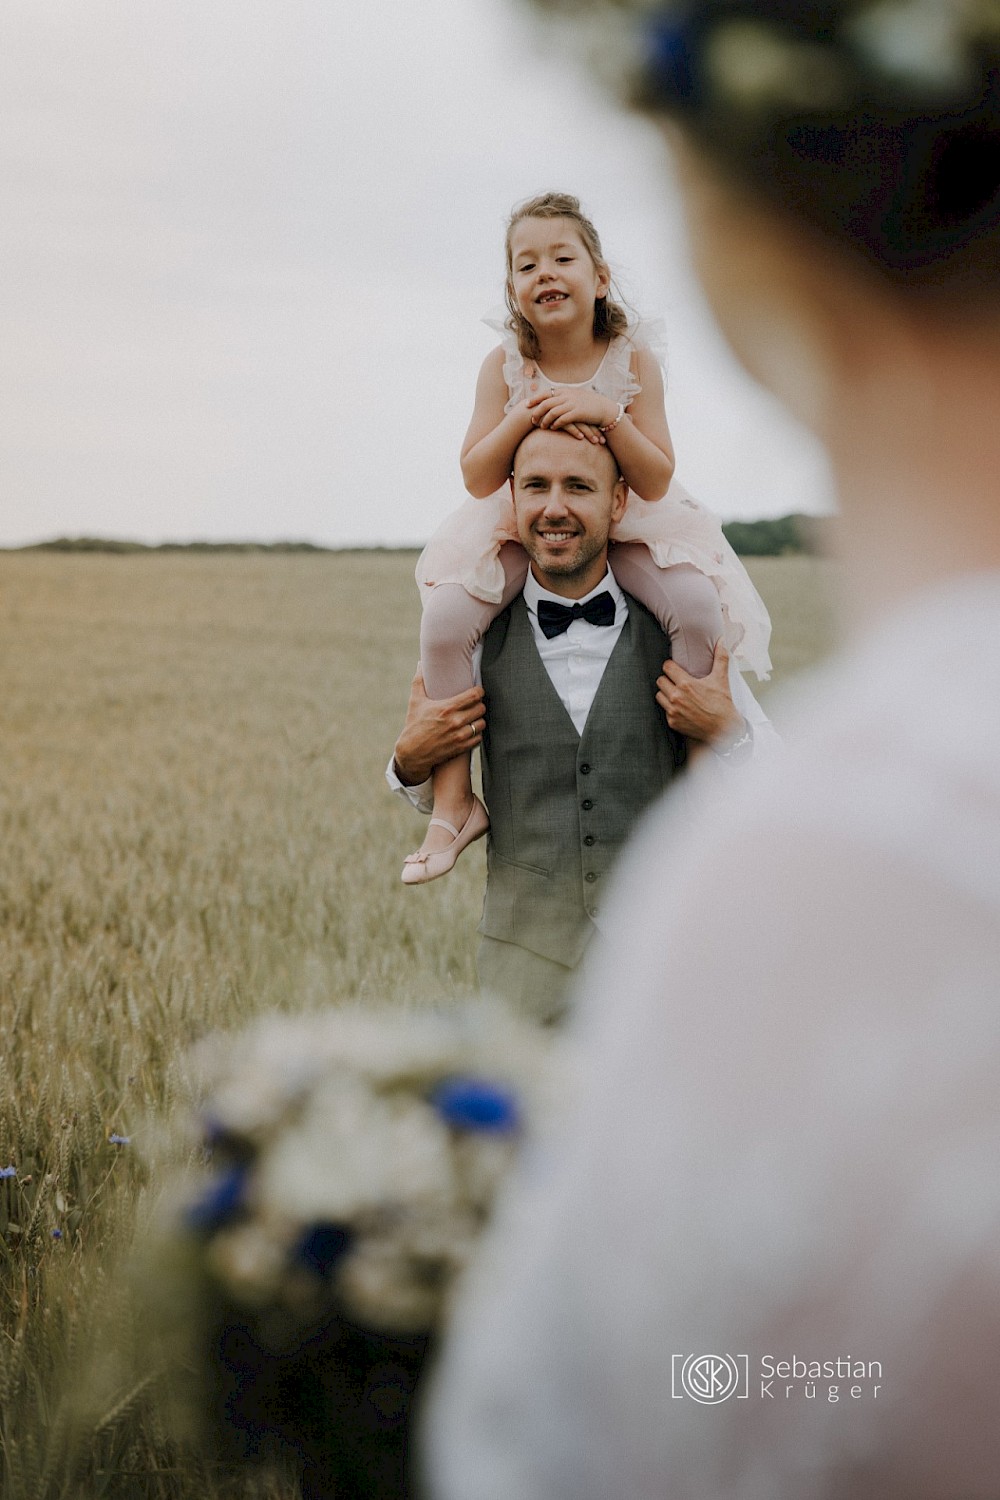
(194, 828)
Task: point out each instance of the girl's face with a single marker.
(553, 274)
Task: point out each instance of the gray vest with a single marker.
(561, 804)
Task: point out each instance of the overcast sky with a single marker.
(246, 245)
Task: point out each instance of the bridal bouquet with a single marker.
(351, 1159)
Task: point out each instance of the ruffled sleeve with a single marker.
(651, 334)
(513, 361)
(619, 379)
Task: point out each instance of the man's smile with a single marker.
(567, 495)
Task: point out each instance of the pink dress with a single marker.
(676, 529)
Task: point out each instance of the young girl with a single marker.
(570, 359)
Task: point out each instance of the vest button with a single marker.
(586, 804)
(585, 769)
(589, 840)
(590, 877)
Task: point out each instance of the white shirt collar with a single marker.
(533, 591)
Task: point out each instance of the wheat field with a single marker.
(194, 828)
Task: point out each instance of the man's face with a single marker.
(567, 494)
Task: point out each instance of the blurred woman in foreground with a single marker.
(761, 1257)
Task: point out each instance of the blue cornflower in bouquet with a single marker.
(322, 1246)
(350, 1162)
(476, 1104)
(220, 1203)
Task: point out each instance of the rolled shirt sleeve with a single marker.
(421, 797)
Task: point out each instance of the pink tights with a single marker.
(454, 623)
(682, 600)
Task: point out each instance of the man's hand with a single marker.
(436, 730)
(700, 707)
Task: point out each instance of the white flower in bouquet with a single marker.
(350, 1162)
(354, 1156)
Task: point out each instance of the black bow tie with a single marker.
(555, 618)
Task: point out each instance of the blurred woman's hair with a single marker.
(610, 317)
(875, 122)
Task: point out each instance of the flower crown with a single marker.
(819, 58)
(875, 121)
(789, 54)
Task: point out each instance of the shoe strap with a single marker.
(440, 822)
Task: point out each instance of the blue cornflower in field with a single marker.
(8, 1171)
(120, 1140)
(57, 1234)
(476, 1104)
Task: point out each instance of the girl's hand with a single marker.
(539, 389)
(581, 413)
(584, 430)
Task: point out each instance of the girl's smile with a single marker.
(553, 272)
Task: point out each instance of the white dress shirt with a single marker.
(575, 660)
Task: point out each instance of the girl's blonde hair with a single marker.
(610, 318)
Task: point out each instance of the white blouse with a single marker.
(785, 1148)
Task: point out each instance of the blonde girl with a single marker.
(570, 359)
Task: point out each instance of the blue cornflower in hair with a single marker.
(671, 61)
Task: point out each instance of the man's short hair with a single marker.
(619, 476)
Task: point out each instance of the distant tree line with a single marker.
(783, 534)
(110, 544)
(771, 538)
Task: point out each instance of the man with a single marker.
(574, 745)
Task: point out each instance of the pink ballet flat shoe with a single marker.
(419, 868)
